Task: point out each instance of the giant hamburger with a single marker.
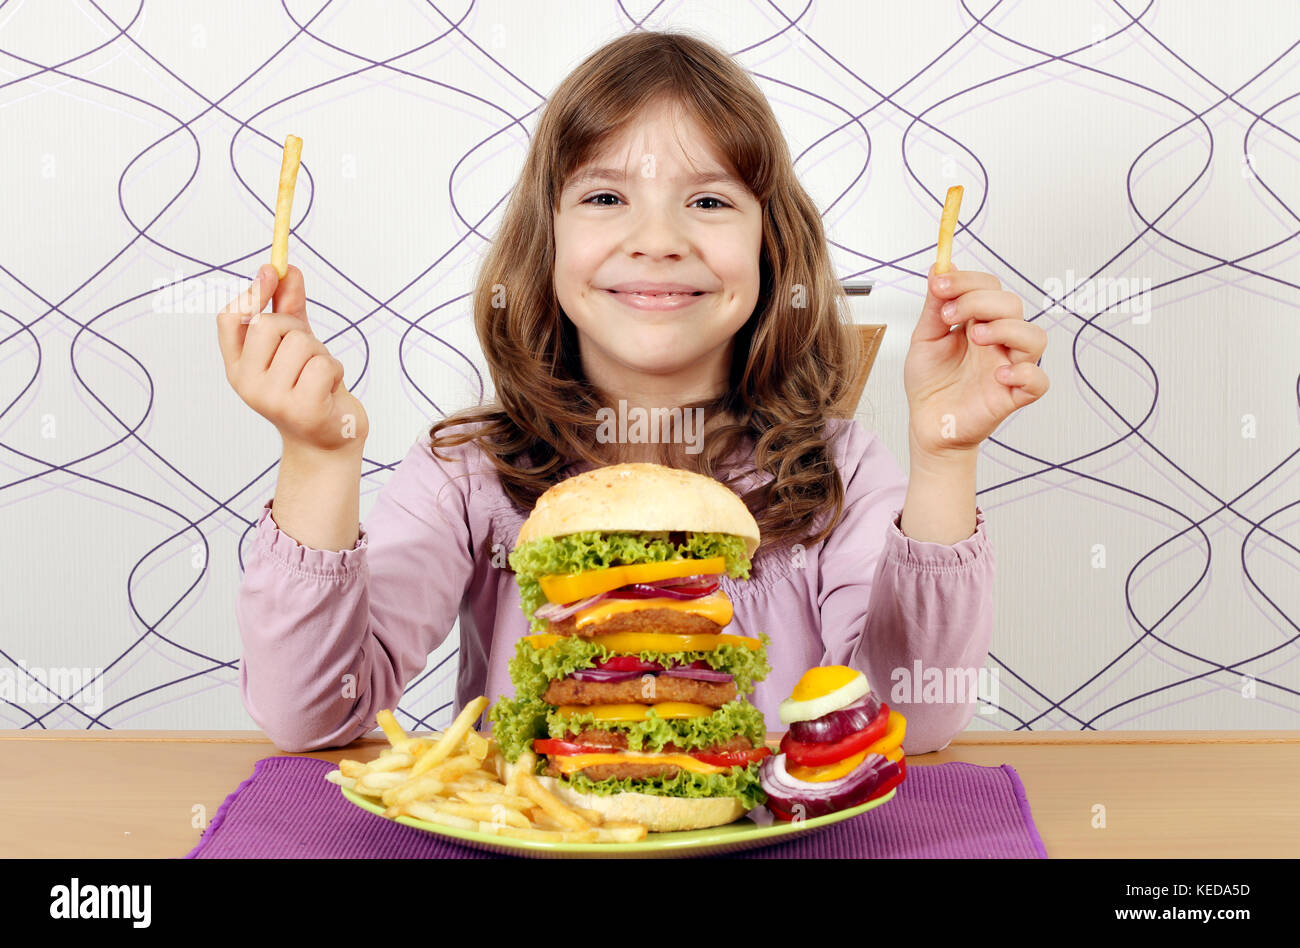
(629, 691)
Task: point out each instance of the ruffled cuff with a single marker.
(292, 555)
(936, 557)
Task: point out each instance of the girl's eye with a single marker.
(595, 199)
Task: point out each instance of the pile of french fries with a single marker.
(460, 778)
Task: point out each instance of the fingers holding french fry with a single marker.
(461, 779)
(274, 361)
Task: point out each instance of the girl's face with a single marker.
(657, 206)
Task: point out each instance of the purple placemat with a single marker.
(288, 810)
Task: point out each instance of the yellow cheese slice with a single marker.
(637, 712)
(570, 587)
(569, 763)
(827, 772)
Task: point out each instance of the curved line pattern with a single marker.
(1102, 696)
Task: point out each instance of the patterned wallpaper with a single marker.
(1130, 171)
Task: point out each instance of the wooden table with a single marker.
(1234, 794)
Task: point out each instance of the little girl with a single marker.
(657, 252)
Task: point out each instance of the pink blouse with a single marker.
(434, 547)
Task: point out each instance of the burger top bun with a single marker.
(659, 814)
(638, 496)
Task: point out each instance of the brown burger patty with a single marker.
(666, 688)
(619, 771)
(642, 620)
(616, 741)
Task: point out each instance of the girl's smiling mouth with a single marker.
(655, 296)
(656, 301)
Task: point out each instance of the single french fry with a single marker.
(392, 730)
(467, 786)
(375, 784)
(594, 817)
(947, 227)
(415, 746)
(477, 745)
(388, 762)
(490, 798)
(353, 768)
(551, 803)
(541, 818)
(486, 814)
(336, 776)
(524, 765)
(414, 788)
(477, 776)
(458, 767)
(284, 204)
(620, 832)
(434, 814)
(451, 738)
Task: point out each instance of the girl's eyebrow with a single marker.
(618, 174)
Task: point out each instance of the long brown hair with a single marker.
(792, 361)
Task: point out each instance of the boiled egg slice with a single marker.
(822, 690)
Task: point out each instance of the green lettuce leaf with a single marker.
(531, 669)
(517, 722)
(594, 549)
(733, 718)
(741, 782)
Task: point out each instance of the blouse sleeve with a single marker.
(331, 637)
(900, 610)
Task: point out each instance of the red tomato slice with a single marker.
(559, 748)
(779, 813)
(817, 754)
(884, 787)
(732, 758)
(628, 663)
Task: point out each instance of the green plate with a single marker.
(748, 832)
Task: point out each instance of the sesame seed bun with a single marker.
(640, 497)
(660, 814)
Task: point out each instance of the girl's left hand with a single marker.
(955, 391)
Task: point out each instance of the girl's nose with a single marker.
(656, 233)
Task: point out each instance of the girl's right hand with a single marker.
(283, 372)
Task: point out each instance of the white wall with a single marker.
(1092, 148)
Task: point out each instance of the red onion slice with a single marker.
(699, 674)
(837, 724)
(607, 675)
(649, 591)
(819, 798)
(555, 612)
(690, 580)
(703, 585)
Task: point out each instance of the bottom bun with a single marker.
(659, 814)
